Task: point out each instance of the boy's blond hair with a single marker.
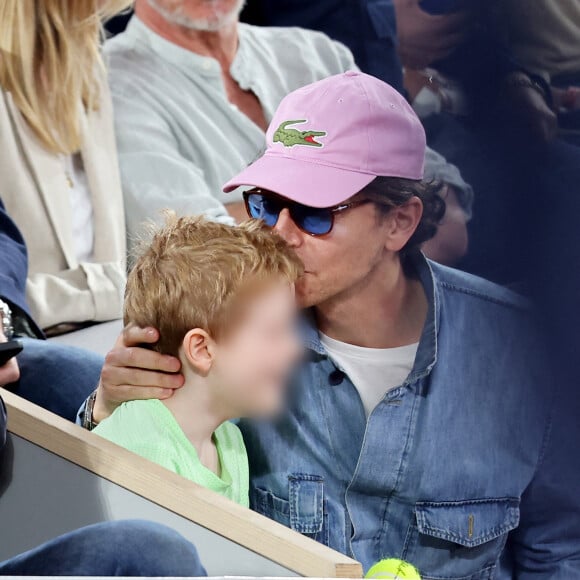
(192, 270)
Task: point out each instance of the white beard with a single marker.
(218, 21)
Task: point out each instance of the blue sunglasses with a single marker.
(314, 221)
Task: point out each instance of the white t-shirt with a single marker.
(373, 371)
(81, 208)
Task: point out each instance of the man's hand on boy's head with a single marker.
(132, 372)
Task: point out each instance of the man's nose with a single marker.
(287, 229)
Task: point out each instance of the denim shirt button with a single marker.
(335, 378)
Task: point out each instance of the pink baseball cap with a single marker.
(330, 139)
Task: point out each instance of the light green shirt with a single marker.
(149, 429)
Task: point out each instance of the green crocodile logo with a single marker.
(291, 137)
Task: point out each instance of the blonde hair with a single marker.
(193, 271)
(50, 60)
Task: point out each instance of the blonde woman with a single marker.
(58, 168)
(60, 187)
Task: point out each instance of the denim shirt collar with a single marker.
(427, 351)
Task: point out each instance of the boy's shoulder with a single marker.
(229, 436)
(134, 420)
(148, 429)
(233, 454)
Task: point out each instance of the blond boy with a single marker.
(222, 298)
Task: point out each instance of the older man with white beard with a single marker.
(194, 91)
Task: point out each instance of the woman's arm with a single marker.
(93, 291)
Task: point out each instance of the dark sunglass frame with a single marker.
(304, 209)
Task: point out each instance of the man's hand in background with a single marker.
(566, 99)
(527, 107)
(426, 38)
(9, 373)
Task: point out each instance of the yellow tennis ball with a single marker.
(393, 569)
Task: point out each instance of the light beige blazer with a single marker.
(34, 189)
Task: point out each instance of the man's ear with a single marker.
(197, 347)
(401, 224)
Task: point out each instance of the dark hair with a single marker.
(390, 192)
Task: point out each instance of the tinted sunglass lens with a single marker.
(314, 221)
(263, 208)
(310, 219)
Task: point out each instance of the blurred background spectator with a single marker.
(54, 376)
(58, 169)
(544, 36)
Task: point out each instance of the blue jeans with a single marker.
(56, 376)
(124, 548)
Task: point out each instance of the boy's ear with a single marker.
(197, 349)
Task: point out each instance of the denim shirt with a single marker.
(437, 472)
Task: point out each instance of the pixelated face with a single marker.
(208, 15)
(253, 362)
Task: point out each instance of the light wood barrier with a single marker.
(56, 477)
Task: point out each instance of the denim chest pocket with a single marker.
(304, 510)
(460, 540)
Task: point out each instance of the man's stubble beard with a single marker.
(219, 21)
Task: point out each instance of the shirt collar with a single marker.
(138, 32)
(426, 352)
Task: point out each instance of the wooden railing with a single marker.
(55, 477)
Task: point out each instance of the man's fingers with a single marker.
(134, 335)
(113, 378)
(9, 373)
(547, 126)
(426, 38)
(132, 393)
(442, 45)
(142, 358)
(111, 395)
(456, 23)
(105, 407)
(450, 41)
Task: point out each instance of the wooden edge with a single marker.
(187, 499)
